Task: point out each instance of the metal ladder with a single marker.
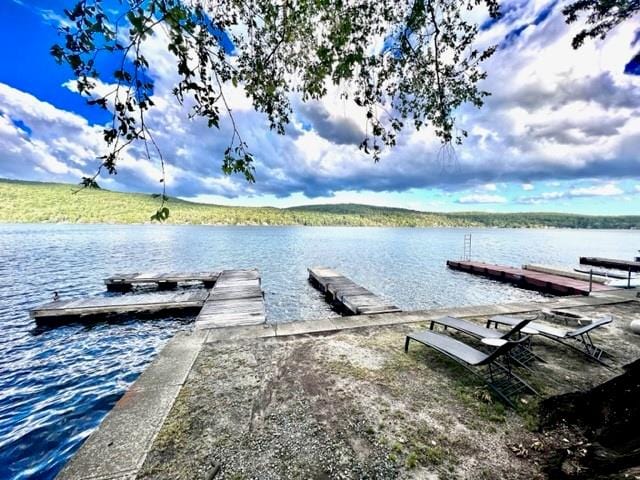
(466, 256)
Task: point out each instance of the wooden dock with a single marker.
(186, 302)
(236, 299)
(124, 282)
(626, 265)
(542, 282)
(346, 295)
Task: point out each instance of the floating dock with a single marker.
(124, 282)
(347, 295)
(565, 273)
(626, 265)
(186, 302)
(236, 299)
(602, 273)
(542, 282)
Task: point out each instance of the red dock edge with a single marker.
(541, 282)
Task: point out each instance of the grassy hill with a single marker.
(34, 202)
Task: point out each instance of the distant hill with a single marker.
(35, 202)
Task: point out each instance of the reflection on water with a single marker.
(57, 384)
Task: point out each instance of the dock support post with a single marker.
(119, 287)
(629, 278)
(167, 285)
(590, 280)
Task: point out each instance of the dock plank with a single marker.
(53, 312)
(235, 300)
(346, 295)
(564, 272)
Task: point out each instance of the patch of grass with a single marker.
(530, 414)
(422, 446)
(480, 400)
(470, 391)
(178, 423)
(412, 460)
(347, 369)
(397, 447)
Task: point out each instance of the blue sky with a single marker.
(561, 131)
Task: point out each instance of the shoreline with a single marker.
(147, 430)
(285, 225)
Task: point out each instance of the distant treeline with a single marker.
(34, 202)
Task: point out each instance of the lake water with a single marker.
(56, 385)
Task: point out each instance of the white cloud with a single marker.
(480, 198)
(51, 144)
(555, 113)
(607, 190)
(598, 190)
(552, 195)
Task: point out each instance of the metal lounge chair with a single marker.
(499, 376)
(580, 338)
(523, 354)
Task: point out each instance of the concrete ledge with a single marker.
(237, 333)
(299, 328)
(333, 324)
(117, 449)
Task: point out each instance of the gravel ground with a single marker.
(352, 404)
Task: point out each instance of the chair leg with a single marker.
(591, 348)
(585, 350)
(406, 344)
(490, 383)
(510, 381)
(529, 347)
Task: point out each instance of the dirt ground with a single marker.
(352, 404)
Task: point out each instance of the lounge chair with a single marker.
(499, 377)
(523, 354)
(580, 337)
